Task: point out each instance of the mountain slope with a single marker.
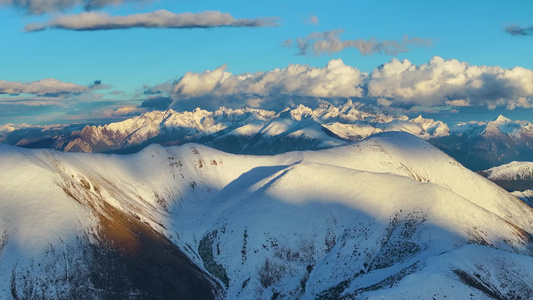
(61, 239)
(388, 216)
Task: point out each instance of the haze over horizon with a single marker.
(100, 61)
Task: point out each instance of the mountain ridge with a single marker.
(477, 145)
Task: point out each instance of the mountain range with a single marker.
(476, 145)
(246, 130)
(390, 216)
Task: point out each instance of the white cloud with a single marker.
(45, 87)
(312, 19)
(519, 102)
(451, 82)
(123, 111)
(37, 7)
(329, 42)
(219, 87)
(517, 30)
(383, 102)
(195, 84)
(457, 102)
(90, 21)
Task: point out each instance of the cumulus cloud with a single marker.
(450, 82)
(519, 102)
(38, 7)
(46, 87)
(91, 21)
(330, 42)
(457, 102)
(439, 84)
(383, 102)
(273, 89)
(124, 111)
(519, 31)
(162, 88)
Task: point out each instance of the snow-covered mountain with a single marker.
(246, 130)
(480, 146)
(35, 136)
(516, 177)
(387, 217)
(477, 145)
(5, 129)
(516, 170)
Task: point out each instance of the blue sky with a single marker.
(129, 60)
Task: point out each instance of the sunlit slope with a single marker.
(65, 235)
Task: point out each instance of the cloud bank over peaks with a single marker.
(92, 21)
(450, 82)
(273, 89)
(329, 42)
(38, 7)
(440, 82)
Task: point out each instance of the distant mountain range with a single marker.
(476, 145)
(246, 130)
(479, 146)
(387, 217)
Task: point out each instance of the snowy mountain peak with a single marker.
(418, 119)
(347, 103)
(431, 127)
(501, 119)
(301, 112)
(503, 125)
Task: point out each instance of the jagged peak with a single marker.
(245, 109)
(348, 102)
(8, 127)
(503, 125)
(501, 119)
(301, 111)
(420, 118)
